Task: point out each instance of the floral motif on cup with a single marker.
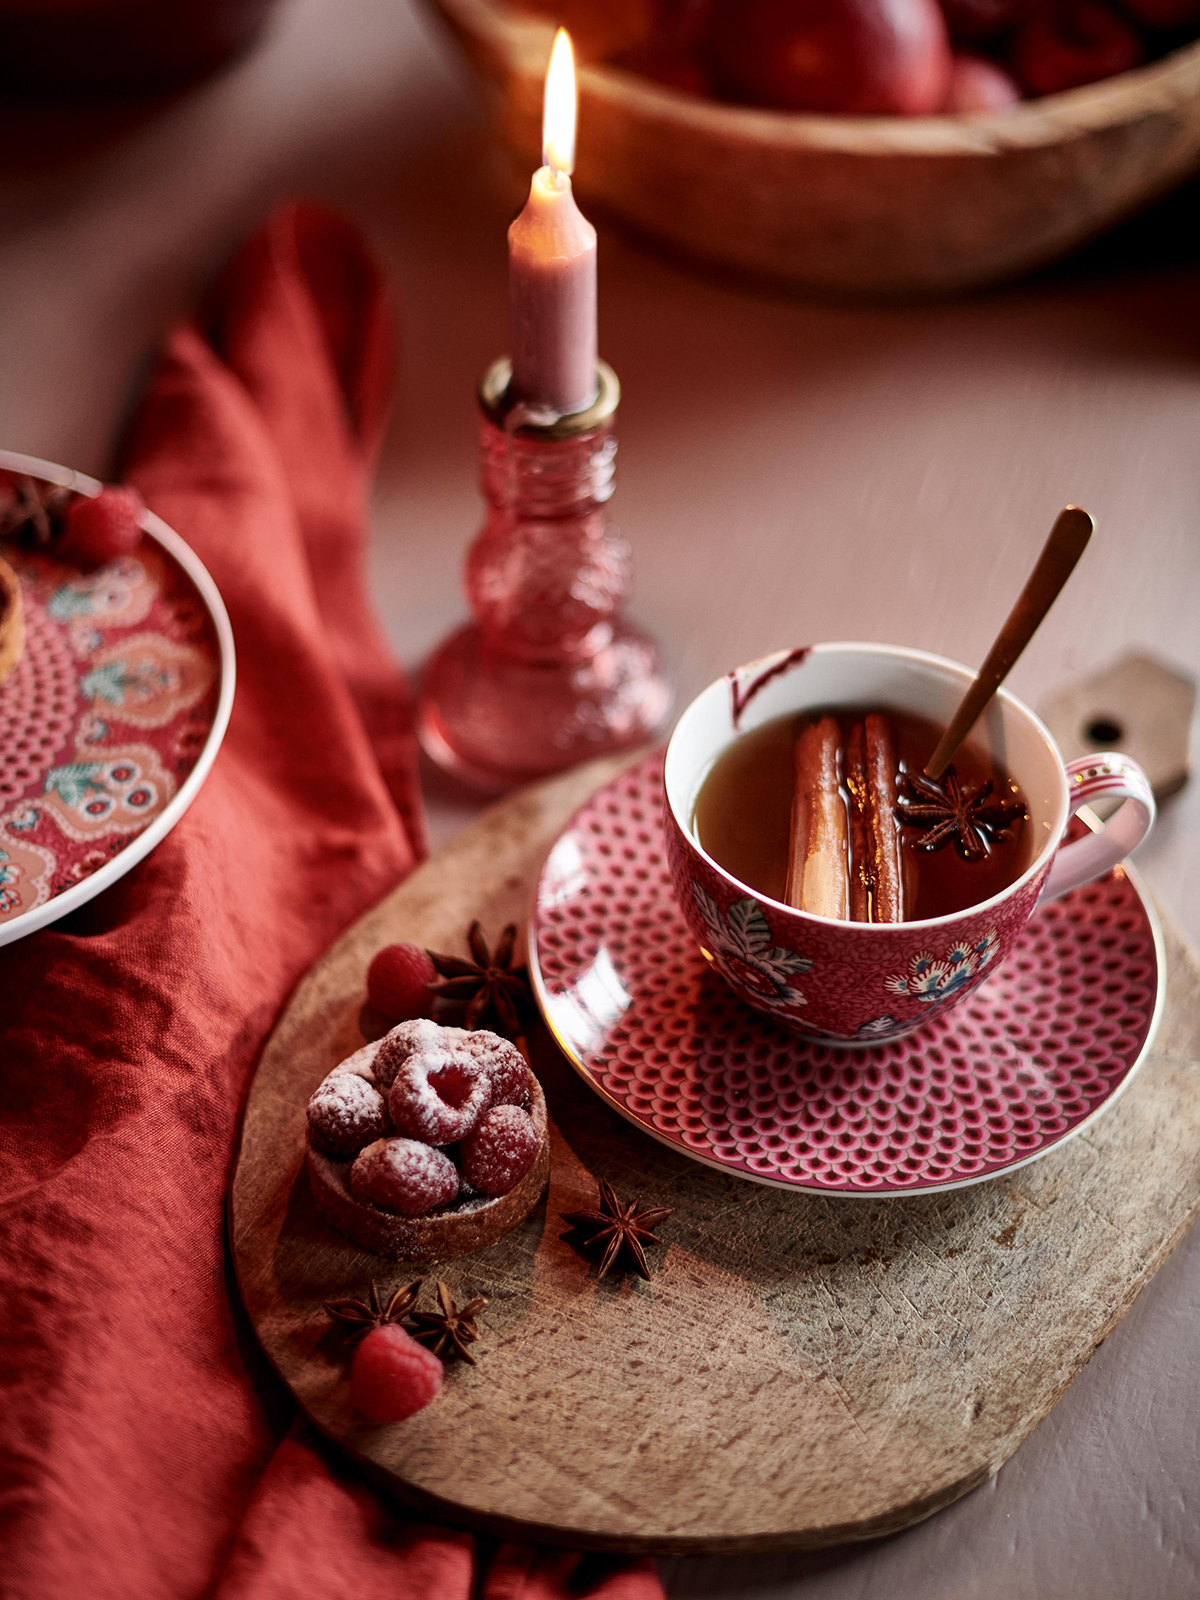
(147, 680)
(744, 951)
(932, 979)
(880, 1028)
(119, 792)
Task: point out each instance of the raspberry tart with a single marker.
(429, 1142)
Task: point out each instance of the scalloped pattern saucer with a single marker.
(1019, 1065)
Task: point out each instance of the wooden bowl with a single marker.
(869, 205)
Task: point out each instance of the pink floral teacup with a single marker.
(858, 982)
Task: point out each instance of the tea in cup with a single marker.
(829, 881)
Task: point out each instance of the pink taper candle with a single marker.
(552, 265)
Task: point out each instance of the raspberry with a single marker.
(504, 1065)
(500, 1151)
(439, 1095)
(406, 1040)
(402, 1175)
(101, 527)
(398, 982)
(345, 1113)
(392, 1376)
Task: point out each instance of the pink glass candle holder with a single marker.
(549, 673)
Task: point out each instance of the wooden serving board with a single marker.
(800, 1371)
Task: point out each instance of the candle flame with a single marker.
(559, 107)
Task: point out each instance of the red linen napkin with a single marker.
(145, 1450)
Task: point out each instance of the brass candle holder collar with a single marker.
(511, 415)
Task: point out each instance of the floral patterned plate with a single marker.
(111, 719)
(1018, 1065)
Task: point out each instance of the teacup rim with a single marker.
(1040, 862)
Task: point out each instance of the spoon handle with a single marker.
(1067, 542)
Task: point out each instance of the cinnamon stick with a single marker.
(876, 869)
(818, 862)
(862, 874)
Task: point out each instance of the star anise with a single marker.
(360, 1316)
(490, 985)
(449, 1331)
(621, 1230)
(35, 511)
(944, 811)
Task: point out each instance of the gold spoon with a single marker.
(1067, 542)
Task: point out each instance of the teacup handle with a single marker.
(1107, 776)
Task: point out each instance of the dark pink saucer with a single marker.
(1017, 1067)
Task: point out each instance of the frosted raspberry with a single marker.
(403, 1175)
(392, 1376)
(398, 982)
(101, 527)
(500, 1151)
(504, 1065)
(345, 1113)
(439, 1095)
(395, 1047)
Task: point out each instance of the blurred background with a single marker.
(850, 468)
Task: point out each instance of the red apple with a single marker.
(1073, 42)
(979, 85)
(1164, 13)
(982, 21)
(868, 57)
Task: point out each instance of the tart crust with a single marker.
(12, 620)
(442, 1233)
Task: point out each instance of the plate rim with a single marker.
(139, 847)
(825, 1190)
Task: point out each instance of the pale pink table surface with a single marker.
(788, 471)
